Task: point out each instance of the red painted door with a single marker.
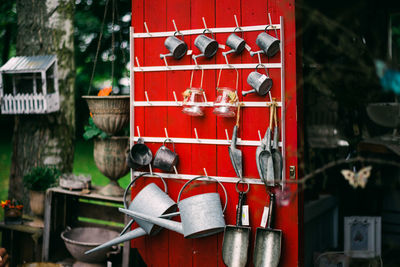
(154, 121)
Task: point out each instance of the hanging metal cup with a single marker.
(176, 46)
(139, 155)
(268, 44)
(260, 83)
(208, 46)
(165, 159)
(226, 101)
(236, 43)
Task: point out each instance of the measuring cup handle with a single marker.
(169, 139)
(207, 177)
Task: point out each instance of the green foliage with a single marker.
(41, 178)
(91, 131)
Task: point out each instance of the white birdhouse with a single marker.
(29, 85)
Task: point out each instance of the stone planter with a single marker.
(36, 203)
(110, 113)
(110, 158)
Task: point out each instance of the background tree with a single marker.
(45, 27)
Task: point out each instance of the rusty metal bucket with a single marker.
(201, 215)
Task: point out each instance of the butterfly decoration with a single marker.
(359, 178)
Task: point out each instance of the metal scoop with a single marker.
(267, 247)
(234, 153)
(264, 160)
(236, 237)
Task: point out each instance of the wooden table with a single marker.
(76, 209)
(22, 242)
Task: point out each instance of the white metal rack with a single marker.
(176, 103)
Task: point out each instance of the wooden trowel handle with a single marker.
(238, 115)
(271, 115)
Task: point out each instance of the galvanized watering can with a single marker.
(260, 83)
(201, 215)
(208, 46)
(236, 43)
(150, 200)
(269, 45)
(176, 47)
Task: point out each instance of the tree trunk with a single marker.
(45, 27)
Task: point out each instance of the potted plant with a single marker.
(37, 181)
(12, 211)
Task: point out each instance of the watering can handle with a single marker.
(208, 177)
(134, 180)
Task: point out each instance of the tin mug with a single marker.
(260, 83)
(165, 159)
(175, 46)
(208, 46)
(268, 44)
(236, 43)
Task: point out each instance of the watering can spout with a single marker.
(138, 232)
(169, 224)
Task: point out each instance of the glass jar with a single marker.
(226, 102)
(193, 102)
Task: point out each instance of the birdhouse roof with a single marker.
(28, 64)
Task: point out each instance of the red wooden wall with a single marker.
(170, 248)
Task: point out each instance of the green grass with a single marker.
(84, 163)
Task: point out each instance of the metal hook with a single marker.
(176, 99)
(270, 22)
(205, 172)
(151, 169)
(236, 21)
(194, 57)
(227, 135)
(195, 133)
(176, 171)
(147, 97)
(137, 63)
(176, 29)
(259, 135)
(138, 131)
(147, 29)
(204, 22)
(165, 61)
(270, 98)
(166, 133)
(205, 98)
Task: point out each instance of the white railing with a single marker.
(24, 104)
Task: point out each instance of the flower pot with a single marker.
(12, 216)
(36, 203)
(110, 113)
(110, 158)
